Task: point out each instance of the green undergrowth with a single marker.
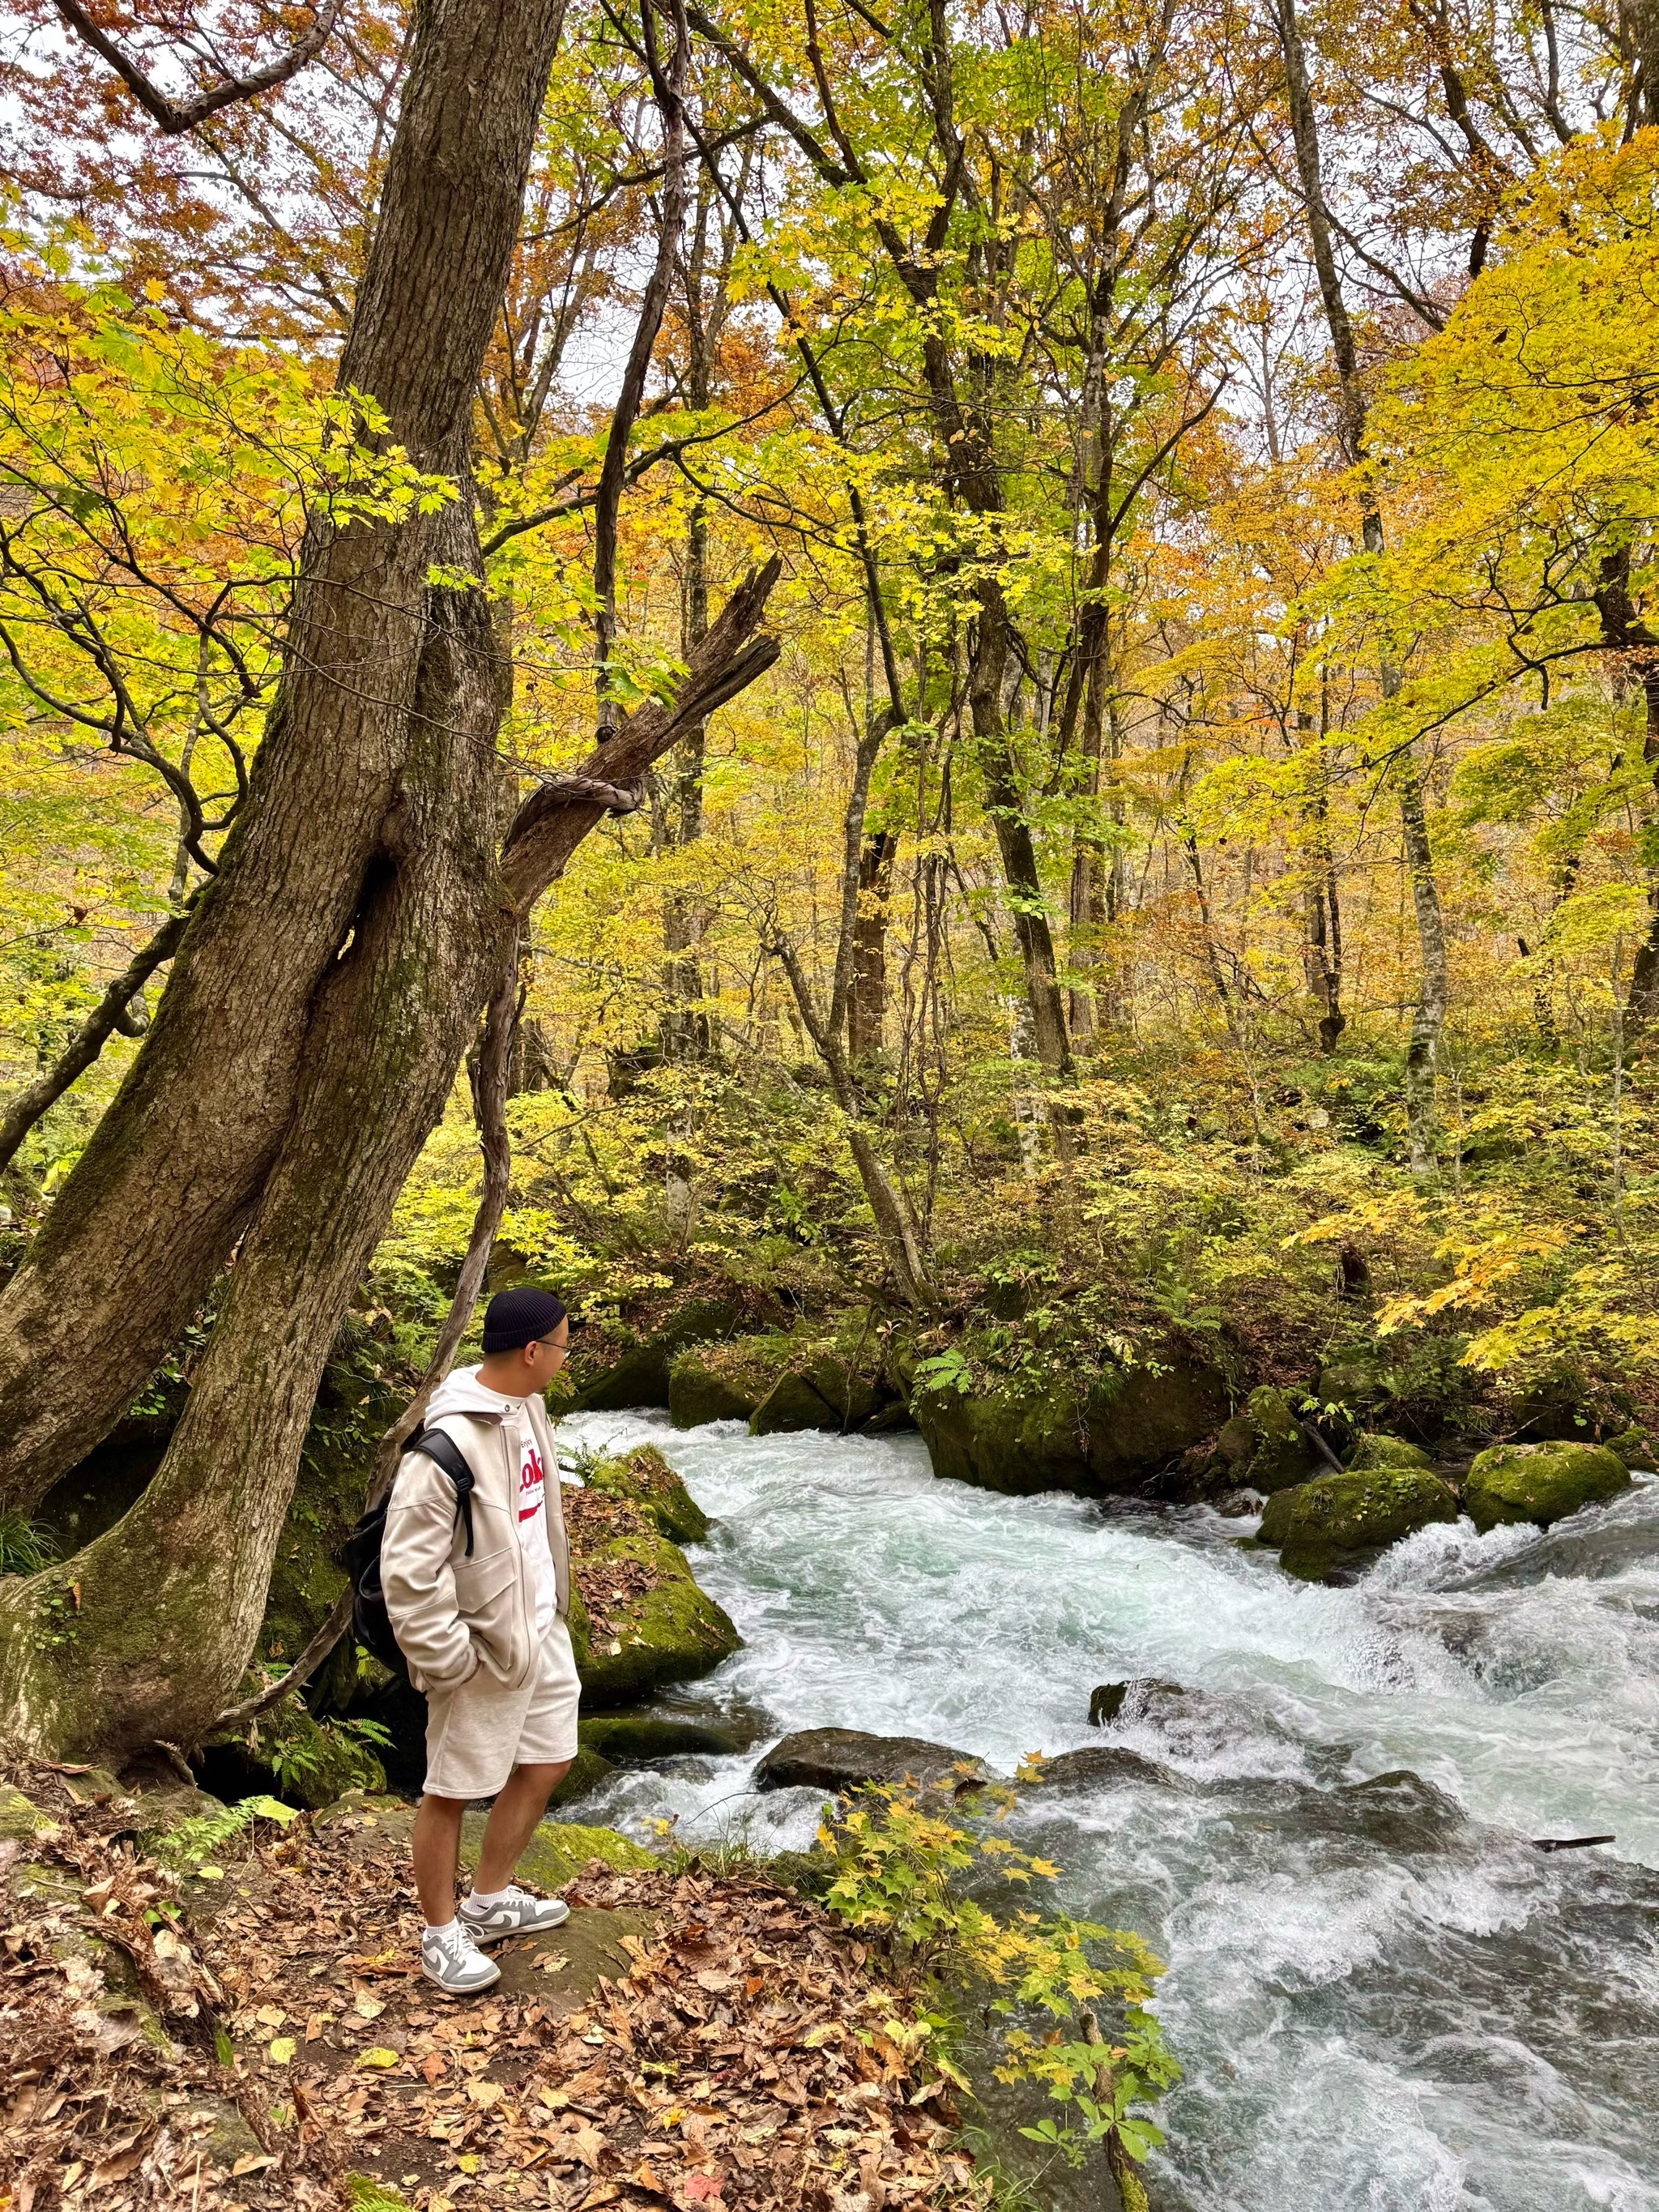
(955, 1917)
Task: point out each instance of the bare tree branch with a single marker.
(90, 1039)
(554, 820)
(174, 116)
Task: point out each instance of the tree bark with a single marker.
(143, 1635)
(867, 1006)
(1428, 1019)
(1015, 843)
(174, 1171)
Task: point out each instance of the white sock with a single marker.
(486, 1899)
(449, 1928)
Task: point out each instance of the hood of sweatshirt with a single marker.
(461, 1392)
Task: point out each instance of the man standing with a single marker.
(484, 1632)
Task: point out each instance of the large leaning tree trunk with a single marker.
(334, 817)
(143, 1635)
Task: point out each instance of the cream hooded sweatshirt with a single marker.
(452, 1614)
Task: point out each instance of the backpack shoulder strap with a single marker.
(443, 1451)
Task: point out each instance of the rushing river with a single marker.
(1383, 2005)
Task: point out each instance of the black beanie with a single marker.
(520, 1316)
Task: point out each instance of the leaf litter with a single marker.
(720, 2044)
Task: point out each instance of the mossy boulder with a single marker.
(1006, 1439)
(613, 1377)
(717, 1383)
(645, 1479)
(1321, 1524)
(637, 1618)
(1375, 1450)
(1140, 1418)
(1539, 1483)
(823, 1391)
(1634, 1446)
(641, 1739)
(1102, 1435)
(587, 1770)
(1282, 1454)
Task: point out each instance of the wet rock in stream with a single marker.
(845, 1758)
(1110, 1768)
(1108, 1701)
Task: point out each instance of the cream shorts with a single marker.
(475, 1735)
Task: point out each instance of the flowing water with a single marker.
(1383, 1998)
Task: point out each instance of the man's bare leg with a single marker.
(512, 1822)
(436, 1849)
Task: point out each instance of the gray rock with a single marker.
(1108, 1769)
(1397, 1811)
(845, 1758)
(1107, 1701)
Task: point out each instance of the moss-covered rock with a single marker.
(1283, 1455)
(1014, 1441)
(823, 1391)
(1102, 1437)
(645, 1479)
(612, 1378)
(1319, 1524)
(637, 1618)
(1140, 1418)
(644, 1738)
(1374, 1450)
(716, 1383)
(1634, 1446)
(587, 1770)
(1539, 1483)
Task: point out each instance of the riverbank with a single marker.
(248, 2030)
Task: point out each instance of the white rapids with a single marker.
(1443, 2022)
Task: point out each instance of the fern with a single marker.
(190, 1847)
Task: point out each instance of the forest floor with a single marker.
(698, 2036)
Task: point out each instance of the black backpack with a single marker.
(371, 1623)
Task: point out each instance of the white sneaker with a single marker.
(454, 1961)
(515, 1913)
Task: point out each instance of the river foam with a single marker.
(1379, 2005)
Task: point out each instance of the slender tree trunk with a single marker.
(866, 1009)
(1429, 1017)
(1324, 912)
(1642, 1003)
(1015, 844)
(89, 1040)
(174, 1171)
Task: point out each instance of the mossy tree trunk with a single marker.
(143, 1635)
(173, 1175)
